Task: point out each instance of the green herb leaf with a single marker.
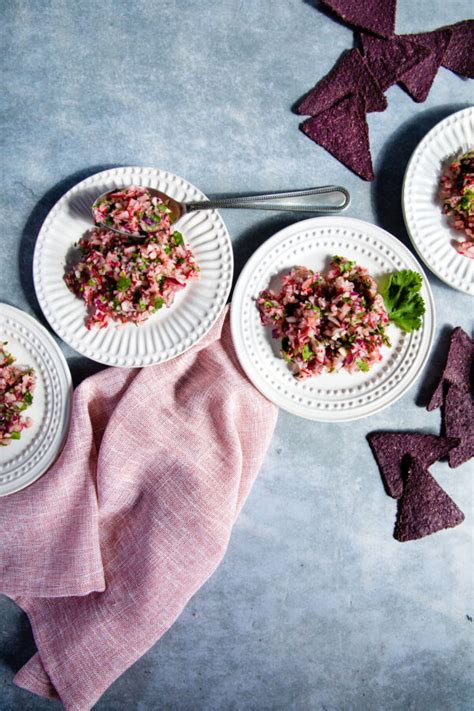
(15, 435)
(28, 398)
(345, 265)
(363, 365)
(178, 238)
(167, 249)
(403, 302)
(307, 353)
(158, 303)
(123, 283)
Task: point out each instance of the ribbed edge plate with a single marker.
(336, 397)
(171, 331)
(26, 459)
(428, 228)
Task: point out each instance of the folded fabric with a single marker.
(104, 551)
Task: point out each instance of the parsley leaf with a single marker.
(363, 365)
(403, 302)
(158, 303)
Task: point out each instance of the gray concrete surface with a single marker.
(316, 606)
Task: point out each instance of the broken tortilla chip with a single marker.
(390, 59)
(350, 75)
(458, 368)
(459, 422)
(342, 130)
(376, 16)
(391, 450)
(419, 79)
(425, 507)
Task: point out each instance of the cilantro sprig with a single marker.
(403, 301)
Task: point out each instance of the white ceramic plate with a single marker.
(335, 397)
(428, 228)
(26, 459)
(170, 331)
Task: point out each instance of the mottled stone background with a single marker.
(316, 606)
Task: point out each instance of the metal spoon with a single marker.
(308, 200)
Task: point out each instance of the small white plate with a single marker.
(341, 396)
(428, 228)
(26, 459)
(166, 334)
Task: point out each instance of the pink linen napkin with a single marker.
(104, 552)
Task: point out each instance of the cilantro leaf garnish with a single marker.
(403, 302)
(306, 353)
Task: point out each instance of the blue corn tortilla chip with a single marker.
(349, 76)
(418, 80)
(376, 16)
(458, 368)
(391, 450)
(425, 507)
(458, 418)
(459, 56)
(390, 59)
(342, 130)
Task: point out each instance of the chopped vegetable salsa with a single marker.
(132, 210)
(17, 384)
(127, 280)
(457, 194)
(327, 322)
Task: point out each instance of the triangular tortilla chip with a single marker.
(419, 80)
(342, 130)
(424, 507)
(390, 59)
(350, 75)
(459, 56)
(391, 450)
(459, 422)
(458, 368)
(376, 16)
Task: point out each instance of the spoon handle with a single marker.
(326, 198)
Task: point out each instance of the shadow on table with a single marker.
(252, 238)
(387, 206)
(391, 166)
(80, 367)
(33, 226)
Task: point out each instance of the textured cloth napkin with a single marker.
(104, 551)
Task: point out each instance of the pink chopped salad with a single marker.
(327, 322)
(17, 385)
(132, 210)
(457, 194)
(127, 280)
